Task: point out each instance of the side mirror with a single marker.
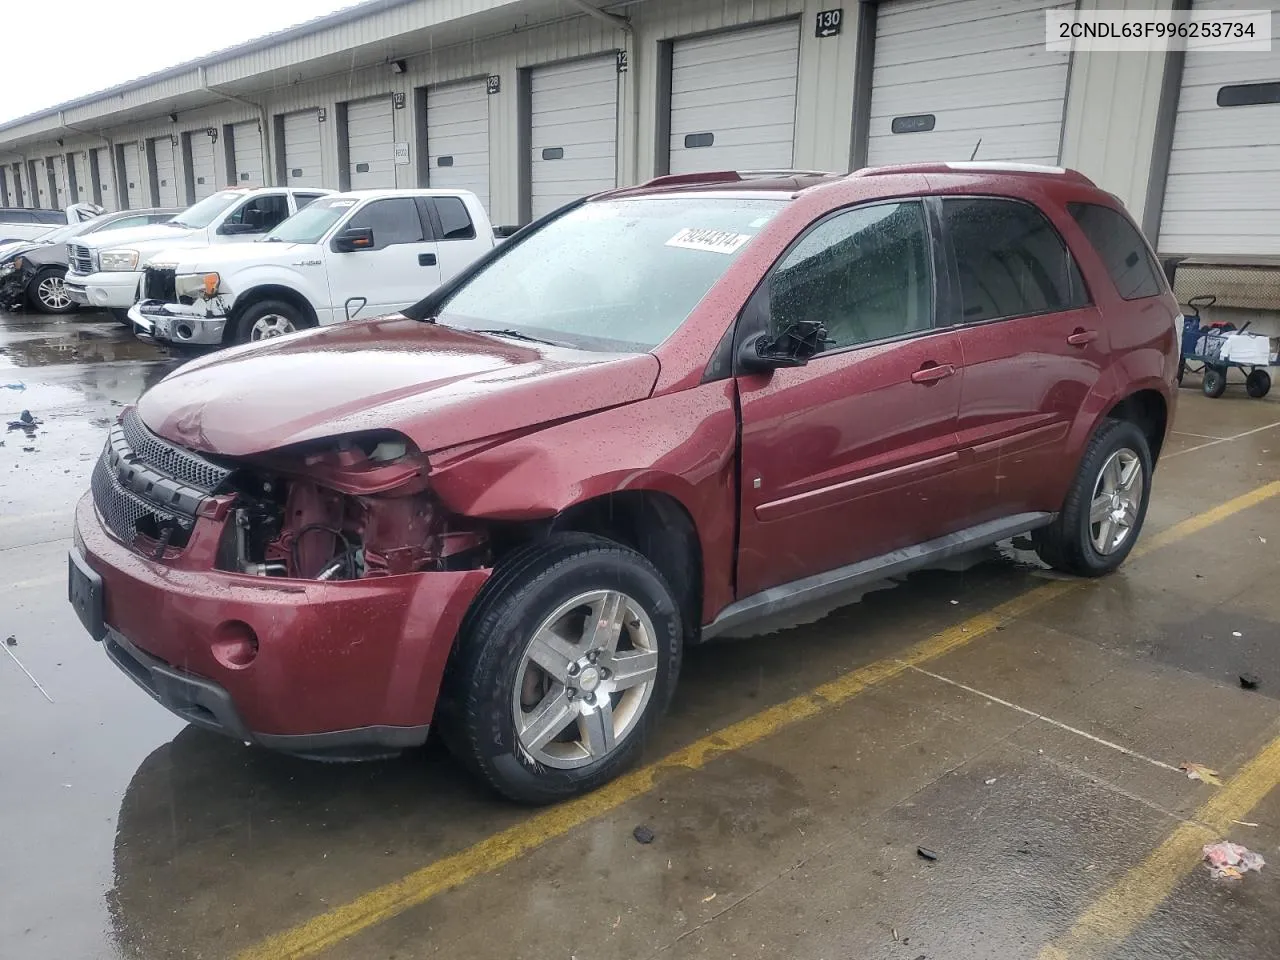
(238, 229)
(353, 239)
(793, 346)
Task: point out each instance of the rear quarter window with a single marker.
(1120, 246)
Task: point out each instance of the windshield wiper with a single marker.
(178, 223)
(272, 240)
(515, 335)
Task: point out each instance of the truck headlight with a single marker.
(196, 285)
(112, 260)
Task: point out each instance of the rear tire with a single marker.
(1215, 382)
(268, 319)
(1106, 506)
(532, 737)
(1258, 384)
(47, 292)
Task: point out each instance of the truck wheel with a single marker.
(1258, 384)
(47, 293)
(562, 667)
(1106, 506)
(1215, 382)
(268, 319)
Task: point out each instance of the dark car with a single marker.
(646, 420)
(33, 272)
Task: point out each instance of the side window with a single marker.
(1122, 249)
(302, 199)
(865, 273)
(124, 222)
(392, 221)
(1010, 260)
(262, 213)
(455, 222)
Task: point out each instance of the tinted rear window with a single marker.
(1010, 260)
(1122, 249)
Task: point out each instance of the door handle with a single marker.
(426, 259)
(1082, 338)
(933, 372)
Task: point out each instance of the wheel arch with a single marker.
(270, 291)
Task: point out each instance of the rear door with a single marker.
(1034, 348)
(396, 271)
(850, 456)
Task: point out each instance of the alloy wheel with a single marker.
(52, 293)
(270, 325)
(1117, 499)
(585, 679)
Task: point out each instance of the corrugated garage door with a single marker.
(1222, 195)
(733, 100)
(573, 131)
(134, 185)
(458, 138)
(84, 182)
(371, 144)
(246, 140)
(18, 186)
(166, 172)
(39, 178)
(947, 74)
(204, 164)
(58, 175)
(101, 163)
(303, 158)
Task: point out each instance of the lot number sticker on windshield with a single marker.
(713, 241)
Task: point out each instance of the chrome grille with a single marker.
(80, 259)
(190, 468)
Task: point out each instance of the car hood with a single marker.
(131, 237)
(14, 247)
(439, 386)
(195, 258)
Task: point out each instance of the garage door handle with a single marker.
(426, 259)
(933, 372)
(1082, 337)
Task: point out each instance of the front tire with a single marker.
(1215, 382)
(1106, 506)
(268, 319)
(47, 292)
(1258, 384)
(563, 666)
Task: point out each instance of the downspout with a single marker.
(633, 99)
(264, 124)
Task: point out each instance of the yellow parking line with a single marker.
(1134, 897)
(382, 903)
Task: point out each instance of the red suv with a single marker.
(646, 419)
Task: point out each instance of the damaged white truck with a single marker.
(362, 253)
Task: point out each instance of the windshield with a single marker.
(312, 222)
(611, 275)
(206, 211)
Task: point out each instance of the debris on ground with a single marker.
(643, 834)
(11, 641)
(990, 781)
(1236, 633)
(1245, 823)
(13, 386)
(1249, 681)
(25, 422)
(926, 853)
(1198, 771)
(708, 899)
(1231, 861)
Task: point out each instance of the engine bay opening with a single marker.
(355, 509)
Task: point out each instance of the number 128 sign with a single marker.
(829, 23)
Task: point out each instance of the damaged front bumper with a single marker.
(335, 670)
(155, 320)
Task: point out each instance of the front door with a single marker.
(398, 270)
(848, 457)
(1034, 347)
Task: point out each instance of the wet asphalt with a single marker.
(124, 833)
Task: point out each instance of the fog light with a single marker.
(184, 331)
(235, 645)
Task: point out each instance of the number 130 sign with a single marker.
(828, 23)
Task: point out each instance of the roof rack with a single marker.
(975, 166)
(730, 176)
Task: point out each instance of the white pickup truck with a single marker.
(104, 272)
(363, 253)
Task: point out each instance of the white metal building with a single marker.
(534, 102)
